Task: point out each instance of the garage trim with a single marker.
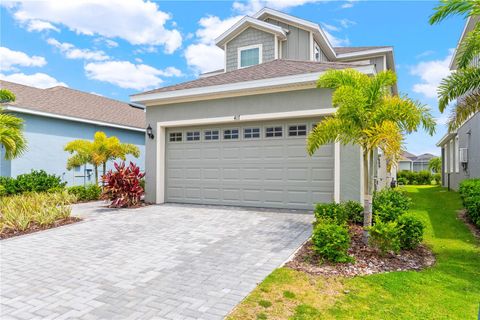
(161, 138)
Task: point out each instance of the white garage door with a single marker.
(253, 164)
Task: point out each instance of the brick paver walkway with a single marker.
(157, 262)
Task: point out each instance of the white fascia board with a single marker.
(249, 21)
(62, 117)
(364, 53)
(447, 137)
(241, 86)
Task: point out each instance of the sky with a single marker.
(115, 48)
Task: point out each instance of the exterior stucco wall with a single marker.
(250, 36)
(468, 137)
(46, 139)
(257, 104)
(404, 165)
(350, 173)
(297, 45)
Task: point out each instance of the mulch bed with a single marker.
(5, 234)
(368, 260)
(462, 214)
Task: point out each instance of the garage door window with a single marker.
(297, 130)
(251, 133)
(211, 135)
(193, 136)
(175, 137)
(230, 134)
(272, 132)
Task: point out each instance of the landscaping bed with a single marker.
(9, 233)
(367, 260)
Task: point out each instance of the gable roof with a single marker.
(471, 23)
(246, 22)
(272, 69)
(346, 50)
(408, 155)
(66, 102)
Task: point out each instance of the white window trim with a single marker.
(457, 155)
(450, 150)
(231, 139)
(212, 140)
(193, 140)
(287, 132)
(255, 46)
(251, 128)
(273, 126)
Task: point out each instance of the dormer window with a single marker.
(249, 56)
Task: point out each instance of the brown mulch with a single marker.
(368, 260)
(462, 214)
(9, 233)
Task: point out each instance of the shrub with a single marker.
(20, 212)
(90, 192)
(122, 186)
(437, 177)
(402, 181)
(470, 193)
(385, 236)
(331, 241)
(389, 204)
(35, 181)
(354, 211)
(410, 231)
(333, 211)
(412, 177)
(424, 177)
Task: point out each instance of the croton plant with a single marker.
(122, 186)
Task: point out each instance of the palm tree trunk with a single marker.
(367, 198)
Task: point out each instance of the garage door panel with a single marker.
(261, 172)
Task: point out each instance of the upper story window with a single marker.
(249, 56)
(316, 52)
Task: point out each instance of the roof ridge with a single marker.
(87, 93)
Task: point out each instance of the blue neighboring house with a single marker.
(55, 116)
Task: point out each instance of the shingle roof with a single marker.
(272, 69)
(409, 155)
(342, 50)
(73, 103)
(425, 157)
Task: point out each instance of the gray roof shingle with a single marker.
(73, 103)
(272, 69)
(342, 50)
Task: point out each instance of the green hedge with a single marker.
(470, 192)
(86, 193)
(421, 177)
(35, 181)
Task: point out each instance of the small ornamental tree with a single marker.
(122, 186)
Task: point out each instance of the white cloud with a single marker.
(253, 6)
(128, 75)
(330, 27)
(346, 23)
(442, 120)
(38, 80)
(204, 55)
(108, 42)
(10, 59)
(348, 4)
(431, 74)
(71, 52)
(336, 41)
(425, 54)
(39, 25)
(137, 21)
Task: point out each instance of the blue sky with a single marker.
(116, 48)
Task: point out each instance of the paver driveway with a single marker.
(157, 262)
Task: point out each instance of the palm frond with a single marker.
(334, 79)
(469, 48)
(457, 84)
(327, 131)
(388, 137)
(448, 8)
(463, 110)
(6, 96)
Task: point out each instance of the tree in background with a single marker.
(435, 165)
(11, 129)
(464, 84)
(369, 115)
(98, 152)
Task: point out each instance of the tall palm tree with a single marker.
(370, 116)
(435, 164)
(464, 84)
(11, 129)
(98, 152)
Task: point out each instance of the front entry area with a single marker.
(255, 164)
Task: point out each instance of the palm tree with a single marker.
(464, 84)
(435, 164)
(370, 116)
(11, 129)
(98, 152)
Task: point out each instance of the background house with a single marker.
(236, 136)
(461, 148)
(410, 162)
(55, 116)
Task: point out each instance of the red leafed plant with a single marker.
(122, 186)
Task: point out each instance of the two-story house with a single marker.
(461, 148)
(236, 136)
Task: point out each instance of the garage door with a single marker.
(253, 164)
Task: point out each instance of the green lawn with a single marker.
(448, 290)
